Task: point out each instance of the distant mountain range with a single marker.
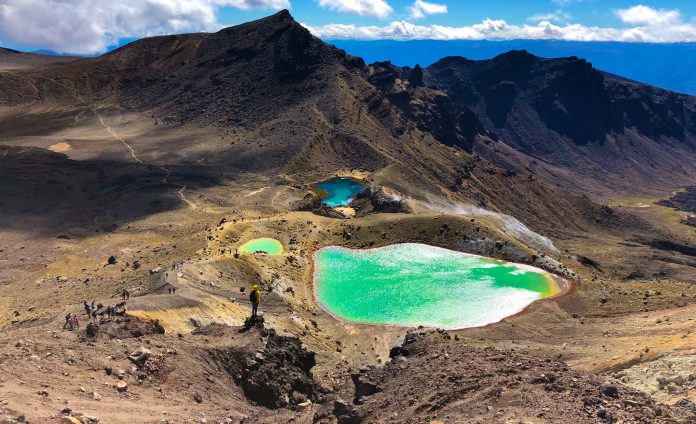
(669, 66)
(665, 65)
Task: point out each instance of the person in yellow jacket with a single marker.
(255, 297)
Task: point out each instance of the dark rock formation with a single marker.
(375, 200)
(273, 376)
(312, 203)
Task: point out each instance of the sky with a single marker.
(94, 26)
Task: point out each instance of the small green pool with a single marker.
(339, 191)
(266, 245)
(415, 284)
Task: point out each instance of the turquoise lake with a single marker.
(415, 284)
(338, 191)
(266, 245)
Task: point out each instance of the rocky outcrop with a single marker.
(431, 109)
(312, 203)
(281, 374)
(375, 200)
(276, 375)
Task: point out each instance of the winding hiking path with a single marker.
(131, 149)
(113, 133)
(182, 188)
(167, 172)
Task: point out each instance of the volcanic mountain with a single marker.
(588, 130)
(146, 168)
(266, 97)
(558, 118)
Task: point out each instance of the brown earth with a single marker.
(171, 152)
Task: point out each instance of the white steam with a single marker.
(510, 226)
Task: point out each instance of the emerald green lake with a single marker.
(267, 245)
(415, 284)
(339, 191)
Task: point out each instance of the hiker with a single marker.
(255, 297)
(75, 323)
(87, 311)
(94, 316)
(173, 290)
(126, 295)
(68, 322)
(170, 290)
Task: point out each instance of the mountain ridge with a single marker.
(561, 112)
(665, 65)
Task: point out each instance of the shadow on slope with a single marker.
(48, 193)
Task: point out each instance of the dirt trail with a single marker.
(115, 135)
(182, 188)
(135, 157)
(110, 130)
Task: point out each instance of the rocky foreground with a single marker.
(131, 367)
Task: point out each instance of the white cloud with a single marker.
(421, 8)
(90, 26)
(555, 16)
(648, 25)
(373, 8)
(647, 16)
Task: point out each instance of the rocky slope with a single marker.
(557, 118)
(467, 384)
(566, 113)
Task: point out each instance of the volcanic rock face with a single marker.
(572, 116)
(432, 109)
(565, 95)
(275, 376)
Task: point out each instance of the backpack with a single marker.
(253, 297)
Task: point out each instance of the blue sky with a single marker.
(93, 26)
(468, 12)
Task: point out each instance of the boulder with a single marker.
(92, 330)
(156, 270)
(304, 405)
(121, 386)
(345, 413)
(140, 356)
(609, 389)
(363, 386)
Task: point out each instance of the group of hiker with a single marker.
(71, 322)
(110, 312)
(93, 311)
